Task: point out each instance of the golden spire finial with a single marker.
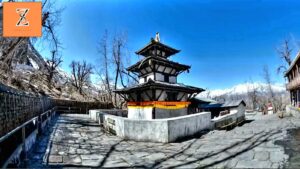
(157, 38)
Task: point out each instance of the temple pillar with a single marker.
(291, 97)
(298, 97)
(294, 98)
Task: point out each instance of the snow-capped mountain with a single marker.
(242, 89)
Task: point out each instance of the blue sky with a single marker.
(226, 42)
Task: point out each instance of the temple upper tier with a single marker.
(158, 64)
(155, 48)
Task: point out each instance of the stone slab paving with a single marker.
(75, 141)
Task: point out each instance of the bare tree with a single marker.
(112, 71)
(51, 19)
(118, 45)
(208, 92)
(81, 74)
(252, 93)
(122, 76)
(276, 103)
(267, 78)
(103, 72)
(284, 52)
(51, 67)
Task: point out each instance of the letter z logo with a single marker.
(22, 12)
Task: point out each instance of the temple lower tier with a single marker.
(156, 100)
(157, 109)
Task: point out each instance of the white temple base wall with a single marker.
(157, 130)
(141, 113)
(168, 113)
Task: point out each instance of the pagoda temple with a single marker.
(158, 95)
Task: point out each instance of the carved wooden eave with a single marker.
(151, 84)
(157, 61)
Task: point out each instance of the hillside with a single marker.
(28, 73)
(24, 69)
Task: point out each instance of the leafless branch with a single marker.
(81, 74)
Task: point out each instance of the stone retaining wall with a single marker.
(16, 107)
(79, 107)
(94, 114)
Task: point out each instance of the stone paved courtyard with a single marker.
(75, 141)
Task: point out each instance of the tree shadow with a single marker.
(262, 138)
(112, 148)
(107, 149)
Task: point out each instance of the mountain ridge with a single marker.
(242, 88)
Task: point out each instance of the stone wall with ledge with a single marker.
(228, 119)
(157, 130)
(94, 114)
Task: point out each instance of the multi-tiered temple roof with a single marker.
(156, 62)
(158, 95)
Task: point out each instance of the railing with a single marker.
(293, 83)
(20, 140)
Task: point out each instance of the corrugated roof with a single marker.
(206, 100)
(233, 103)
(212, 105)
(226, 104)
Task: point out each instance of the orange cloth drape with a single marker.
(159, 104)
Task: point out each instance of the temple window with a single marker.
(138, 97)
(166, 78)
(158, 52)
(171, 96)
